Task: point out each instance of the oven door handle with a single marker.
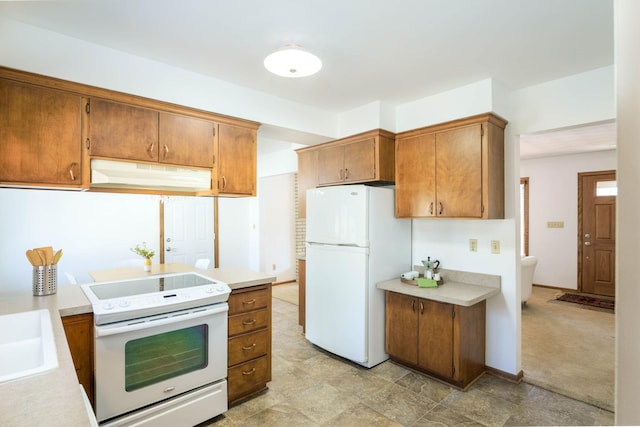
(115, 329)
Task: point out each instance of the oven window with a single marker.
(159, 357)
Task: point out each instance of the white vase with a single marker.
(147, 264)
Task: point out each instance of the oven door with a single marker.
(143, 361)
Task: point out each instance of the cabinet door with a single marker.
(360, 161)
(40, 135)
(415, 176)
(401, 326)
(79, 332)
(436, 337)
(186, 140)
(331, 165)
(307, 178)
(237, 153)
(123, 131)
(459, 172)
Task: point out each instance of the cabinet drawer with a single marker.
(248, 377)
(248, 346)
(247, 301)
(247, 322)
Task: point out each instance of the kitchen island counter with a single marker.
(238, 278)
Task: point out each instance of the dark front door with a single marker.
(597, 239)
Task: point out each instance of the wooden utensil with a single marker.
(46, 252)
(57, 256)
(33, 258)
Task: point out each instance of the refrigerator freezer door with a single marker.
(338, 215)
(336, 291)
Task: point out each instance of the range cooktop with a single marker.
(150, 295)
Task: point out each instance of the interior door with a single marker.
(597, 242)
(188, 230)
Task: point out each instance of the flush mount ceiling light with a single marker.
(292, 61)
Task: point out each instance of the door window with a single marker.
(606, 188)
(155, 358)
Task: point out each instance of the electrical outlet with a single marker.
(495, 246)
(473, 245)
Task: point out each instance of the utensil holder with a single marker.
(45, 279)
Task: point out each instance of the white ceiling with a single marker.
(372, 50)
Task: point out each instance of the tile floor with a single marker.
(313, 388)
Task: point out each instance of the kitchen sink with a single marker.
(27, 346)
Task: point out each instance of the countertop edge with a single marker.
(463, 294)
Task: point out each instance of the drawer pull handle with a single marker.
(249, 347)
(249, 322)
(253, 301)
(251, 372)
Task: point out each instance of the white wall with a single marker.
(553, 196)
(94, 231)
(627, 34)
(277, 226)
(238, 233)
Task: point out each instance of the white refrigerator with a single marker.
(353, 241)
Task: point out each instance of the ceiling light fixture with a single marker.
(292, 61)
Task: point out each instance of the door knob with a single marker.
(168, 239)
(587, 243)
(587, 236)
(168, 248)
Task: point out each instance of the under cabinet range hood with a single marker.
(114, 174)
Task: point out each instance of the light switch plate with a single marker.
(555, 224)
(495, 246)
(473, 245)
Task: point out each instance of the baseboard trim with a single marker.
(282, 283)
(517, 378)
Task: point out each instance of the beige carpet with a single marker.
(568, 349)
(286, 292)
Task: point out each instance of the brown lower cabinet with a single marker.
(446, 341)
(249, 350)
(78, 329)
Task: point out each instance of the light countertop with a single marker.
(460, 288)
(54, 398)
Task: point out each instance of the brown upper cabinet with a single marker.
(367, 157)
(51, 128)
(121, 131)
(237, 161)
(307, 177)
(452, 170)
(40, 136)
(363, 158)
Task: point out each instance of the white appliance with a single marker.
(160, 350)
(353, 241)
